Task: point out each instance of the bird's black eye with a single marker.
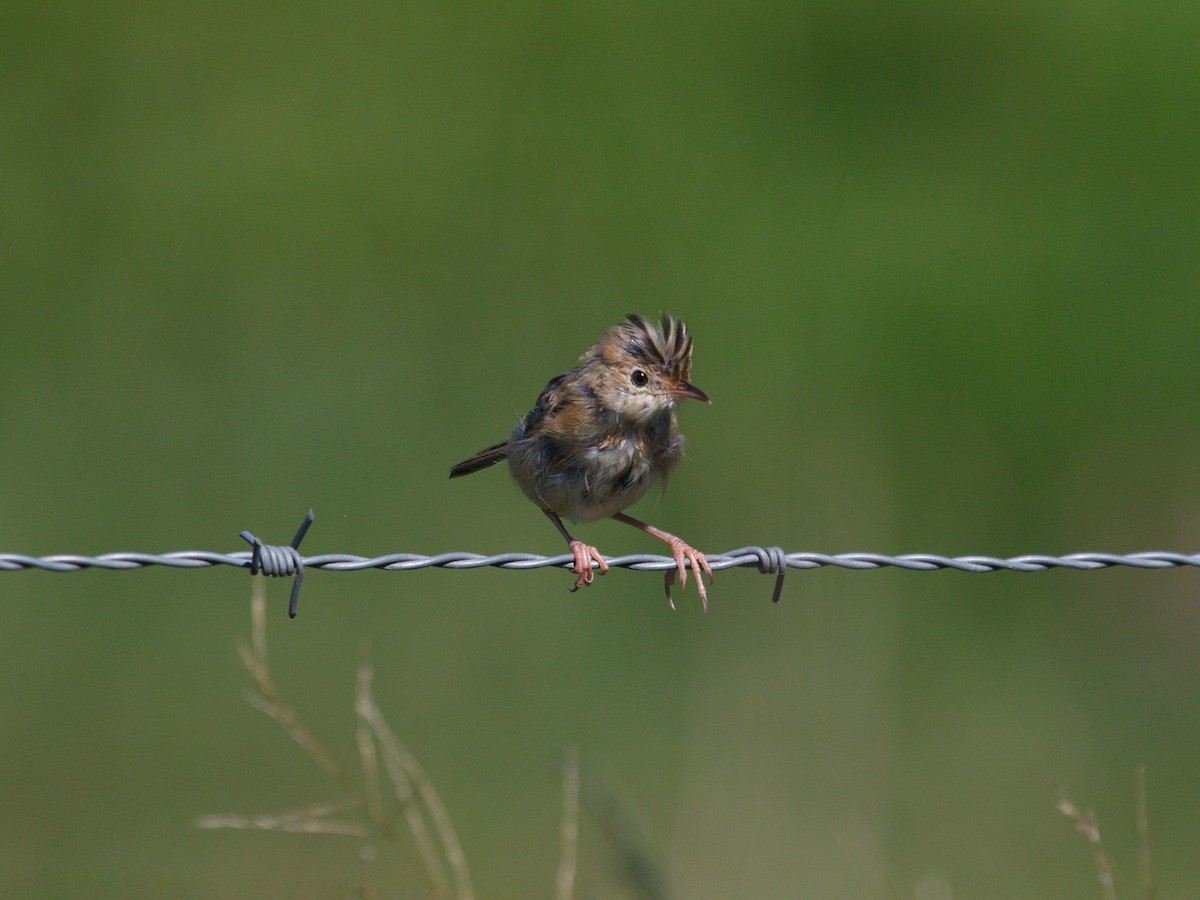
(639, 378)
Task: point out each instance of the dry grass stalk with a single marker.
(1085, 824)
(374, 738)
(311, 820)
(569, 830)
(1149, 889)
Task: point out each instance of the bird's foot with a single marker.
(683, 551)
(583, 563)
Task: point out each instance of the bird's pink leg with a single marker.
(584, 554)
(681, 550)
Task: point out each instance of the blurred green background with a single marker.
(941, 264)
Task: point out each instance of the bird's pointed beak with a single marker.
(685, 391)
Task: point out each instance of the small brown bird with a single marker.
(601, 434)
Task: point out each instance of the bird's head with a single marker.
(646, 370)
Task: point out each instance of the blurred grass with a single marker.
(940, 264)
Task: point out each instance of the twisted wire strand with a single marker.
(285, 560)
(769, 560)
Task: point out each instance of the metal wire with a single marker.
(286, 560)
(745, 557)
(768, 560)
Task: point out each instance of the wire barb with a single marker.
(771, 561)
(276, 561)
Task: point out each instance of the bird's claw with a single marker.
(682, 551)
(583, 564)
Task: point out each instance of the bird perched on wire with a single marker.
(601, 434)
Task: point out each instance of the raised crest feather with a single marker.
(668, 347)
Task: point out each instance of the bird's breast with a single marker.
(589, 482)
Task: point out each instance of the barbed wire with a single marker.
(643, 562)
(287, 561)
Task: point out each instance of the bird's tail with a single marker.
(481, 460)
